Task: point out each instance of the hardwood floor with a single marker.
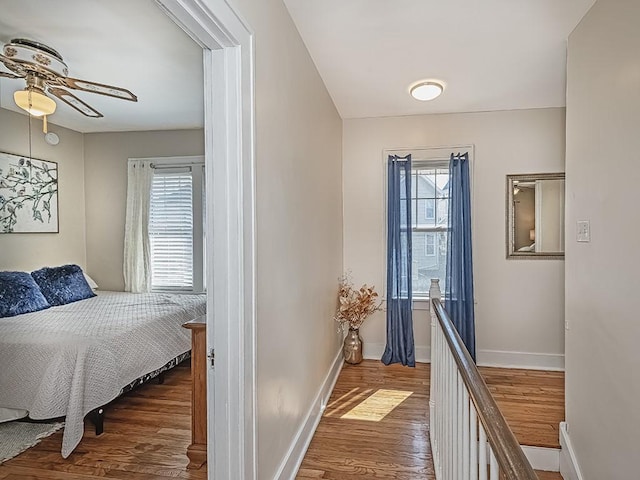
(397, 446)
(548, 475)
(147, 432)
(532, 401)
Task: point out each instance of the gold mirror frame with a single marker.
(510, 217)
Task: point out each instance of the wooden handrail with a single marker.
(510, 457)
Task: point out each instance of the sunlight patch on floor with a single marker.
(345, 401)
(378, 405)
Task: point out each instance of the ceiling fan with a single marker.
(45, 73)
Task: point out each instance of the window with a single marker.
(430, 209)
(429, 214)
(176, 230)
(430, 244)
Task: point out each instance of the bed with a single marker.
(68, 360)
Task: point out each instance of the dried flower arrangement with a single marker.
(355, 305)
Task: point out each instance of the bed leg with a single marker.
(161, 378)
(97, 418)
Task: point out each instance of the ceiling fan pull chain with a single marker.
(30, 156)
(44, 124)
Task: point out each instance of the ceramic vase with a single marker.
(434, 290)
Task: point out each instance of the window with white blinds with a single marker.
(176, 226)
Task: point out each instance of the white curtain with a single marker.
(137, 258)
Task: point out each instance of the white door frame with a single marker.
(227, 44)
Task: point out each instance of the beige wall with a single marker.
(29, 251)
(602, 301)
(299, 228)
(520, 305)
(105, 178)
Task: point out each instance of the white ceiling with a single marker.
(492, 54)
(131, 44)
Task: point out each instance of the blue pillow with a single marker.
(19, 294)
(62, 285)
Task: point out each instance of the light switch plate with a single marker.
(583, 231)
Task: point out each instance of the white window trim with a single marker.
(198, 227)
(439, 154)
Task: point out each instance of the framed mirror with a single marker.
(535, 216)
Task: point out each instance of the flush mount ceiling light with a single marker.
(426, 90)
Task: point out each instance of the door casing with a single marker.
(228, 55)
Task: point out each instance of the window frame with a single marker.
(196, 165)
(423, 155)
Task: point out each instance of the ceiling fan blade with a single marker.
(99, 88)
(13, 66)
(75, 102)
(9, 75)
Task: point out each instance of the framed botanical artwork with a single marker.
(28, 195)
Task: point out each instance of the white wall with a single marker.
(602, 301)
(105, 178)
(30, 251)
(299, 228)
(520, 305)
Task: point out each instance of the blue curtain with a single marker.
(459, 279)
(400, 347)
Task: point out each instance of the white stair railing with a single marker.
(470, 439)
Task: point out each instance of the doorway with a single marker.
(227, 45)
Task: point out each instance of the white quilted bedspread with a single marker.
(68, 360)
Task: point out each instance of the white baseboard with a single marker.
(540, 458)
(486, 358)
(569, 468)
(293, 459)
(374, 351)
(533, 361)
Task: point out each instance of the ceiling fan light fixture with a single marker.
(34, 102)
(426, 90)
(45, 73)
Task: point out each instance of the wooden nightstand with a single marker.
(197, 451)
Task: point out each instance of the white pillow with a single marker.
(90, 281)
